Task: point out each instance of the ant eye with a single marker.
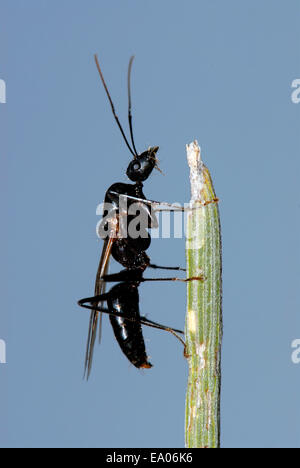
(136, 166)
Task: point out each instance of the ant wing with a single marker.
(100, 285)
(95, 314)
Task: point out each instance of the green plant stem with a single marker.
(204, 308)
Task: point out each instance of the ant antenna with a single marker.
(112, 106)
(129, 104)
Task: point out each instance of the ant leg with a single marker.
(174, 332)
(134, 276)
(157, 204)
(183, 280)
(165, 267)
(93, 300)
(142, 320)
(172, 206)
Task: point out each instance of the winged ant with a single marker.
(122, 301)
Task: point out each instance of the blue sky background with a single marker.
(219, 71)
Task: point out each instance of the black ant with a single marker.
(123, 299)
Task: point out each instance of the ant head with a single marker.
(142, 165)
